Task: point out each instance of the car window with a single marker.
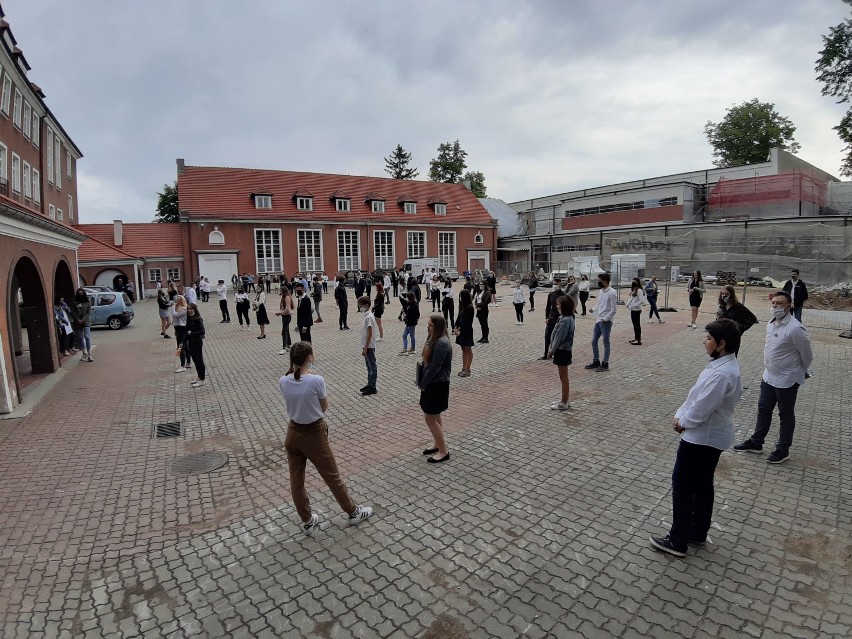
(106, 300)
(126, 299)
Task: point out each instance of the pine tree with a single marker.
(397, 165)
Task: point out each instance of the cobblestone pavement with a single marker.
(537, 527)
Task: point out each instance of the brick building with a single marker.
(38, 242)
(262, 221)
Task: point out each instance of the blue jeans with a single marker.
(797, 313)
(372, 368)
(409, 330)
(785, 398)
(84, 338)
(692, 493)
(601, 329)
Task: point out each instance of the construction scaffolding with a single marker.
(789, 194)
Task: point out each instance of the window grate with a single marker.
(167, 429)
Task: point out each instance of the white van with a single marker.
(416, 265)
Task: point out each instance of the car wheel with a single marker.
(114, 323)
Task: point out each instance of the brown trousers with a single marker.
(310, 442)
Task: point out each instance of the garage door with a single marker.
(217, 266)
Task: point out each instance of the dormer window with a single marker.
(440, 209)
(341, 201)
(408, 203)
(304, 200)
(378, 206)
(342, 205)
(438, 205)
(411, 208)
(376, 202)
(262, 199)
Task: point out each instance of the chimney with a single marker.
(181, 166)
(117, 232)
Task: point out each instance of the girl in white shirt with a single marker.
(518, 299)
(585, 285)
(242, 302)
(635, 302)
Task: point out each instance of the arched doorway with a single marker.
(29, 322)
(63, 282)
(111, 277)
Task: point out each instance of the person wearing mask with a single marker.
(411, 317)
(561, 348)
(798, 293)
(342, 301)
(518, 300)
(491, 280)
(242, 303)
(369, 329)
(435, 291)
(434, 385)
(448, 303)
(635, 302)
(787, 356)
(222, 292)
(179, 318)
(324, 279)
(164, 306)
(583, 288)
(81, 322)
(285, 312)
(304, 314)
(306, 399)
(195, 340)
(259, 307)
(572, 290)
(250, 283)
(205, 290)
(483, 299)
(533, 287)
(731, 308)
(651, 293)
(316, 295)
(360, 287)
(386, 284)
(696, 290)
(464, 331)
(605, 311)
(379, 309)
(551, 314)
(705, 422)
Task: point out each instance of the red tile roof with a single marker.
(138, 240)
(216, 192)
(92, 250)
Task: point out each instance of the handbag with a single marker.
(419, 373)
(178, 350)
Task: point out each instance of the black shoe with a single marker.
(665, 544)
(432, 460)
(604, 367)
(777, 457)
(594, 364)
(697, 542)
(370, 390)
(748, 446)
(363, 388)
(483, 341)
(430, 451)
(545, 357)
(345, 328)
(222, 322)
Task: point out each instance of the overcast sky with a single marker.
(544, 96)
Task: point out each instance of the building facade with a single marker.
(263, 221)
(38, 211)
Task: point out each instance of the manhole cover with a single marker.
(197, 464)
(167, 429)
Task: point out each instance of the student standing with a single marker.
(706, 424)
(379, 309)
(651, 293)
(584, 287)
(259, 307)
(342, 302)
(195, 340)
(179, 319)
(551, 314)
(635, 302)
(222, 292)
(696, 290)
(386, 283)
(731, 308)
(164, 305)
(205, 290)
(411, 317)
(483, 299)
(798, 293)
(81, 321)
(448, 303)
(561, 348)
(533, 287)
(435, 385)
(369, 328)
(572, 290)
(605, 311)
(317, 297)
(518, 299)
(464, 331)
(435, 291)
(306, 398)
(304, 315)
(242, 303)
(285, 311)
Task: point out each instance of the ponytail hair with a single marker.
(299, 354)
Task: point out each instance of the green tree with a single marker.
(449, 166)
(747, 132)
(477, 182)
(834, 69)
(397, 165)
(167, 205)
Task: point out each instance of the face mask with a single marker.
(794, 277)
(600, 284)
(364, 309)
(725, 298)
(779, 313)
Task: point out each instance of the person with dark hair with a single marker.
(584, 287)
(379, 309)
(342, 301)
(304, 314)
(518, 299)
(561, 347)
(285, 312)
(316, 295)
(369, 329)
(222, 292)
(195, 343)
(241, 301)
(731, 308)
(483, 299)
(798, 293)
(696, 290)
(652, 290)
(787, 356)
(605, 311)
(411, 317)
(81, 322)
(533, 287)
(635, 302)
(706, 422)
(164, 303)
(306, 398)
(435, 385)
(464, 331)
(180, 315)
(551, 314)
(448, 303)
(259, 307)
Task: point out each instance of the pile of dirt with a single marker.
(836, 298)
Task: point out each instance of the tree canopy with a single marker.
(397, 165)
(167, 205)
(449, 166)
(477, 182)
(834, 71)
(747, 133)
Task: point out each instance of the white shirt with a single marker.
(240, 297)
(303, 396)
(585, 285)
(518, 296)
(189, 294)
(369, 322)
(448, 293)
(387, 282)
(205, 287)
(636, 302)
(708, 412)
(222, 290)
(787, 353)
(607, 304)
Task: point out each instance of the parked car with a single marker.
(111, 309)
(96, 288)
(562, 275)
(452, 273)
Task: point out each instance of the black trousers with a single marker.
(584, 296)
(692, 493)
(286, 341)
(226, 314)
(196, 351)
(344, 313)
(483, 322)
(303, 336)
(519, 311)
(180, 338)
(449, 308)
(243, 311)
(548, 332)
(636, 318)
(532, 300)
(436, 299)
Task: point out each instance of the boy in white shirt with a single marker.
(222, 292)
(369, 330)
(605, 311)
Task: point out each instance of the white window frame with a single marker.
(26, 180)
(173, 274)
(70, 208)
(341, 205)
(377, 206)
(155, 275)
(6, 100)
(49, 154)
(4, 167)
(36, 130)
(478, 239)
(51, 212)
(60, 215)
(305, 203)
(28, 118)
(351, 248)
(410, 208)
(16, 173)
(68, 164)
(309, 263)
(36, 186)
(16, 115)
(265, 260)
(384, 258)
(440, 209)
(263, 201)
(409, 245)
(447, 259)
(57, 152)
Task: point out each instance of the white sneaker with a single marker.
(662, 321)
(560, 406)
(283, 351)
(309, 527)
(198, 383)
(362, 513)
(180, 369)
(650, 321)
(380, 339)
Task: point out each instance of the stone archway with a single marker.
(63, 282)
(114, 278)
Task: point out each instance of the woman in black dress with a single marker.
(464, 331)
(435, 385)
(259, 306)
(379, 309)
(696, 290)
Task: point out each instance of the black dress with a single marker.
(464, 323)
